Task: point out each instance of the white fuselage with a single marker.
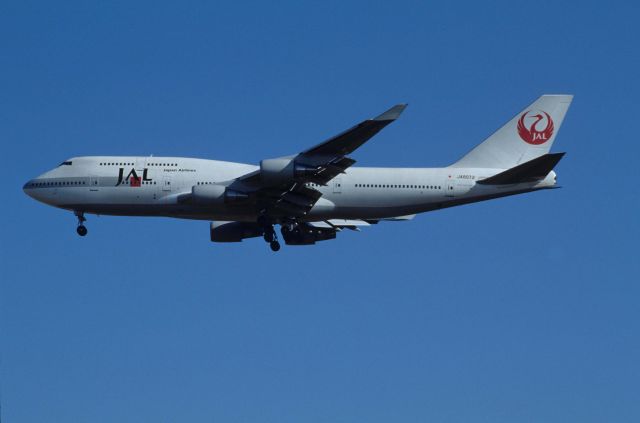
(150, 186)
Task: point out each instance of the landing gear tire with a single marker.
(269, 234)
(82, 230)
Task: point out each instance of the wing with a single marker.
(284, 186)
(346, 142)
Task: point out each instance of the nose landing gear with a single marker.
(81, 230)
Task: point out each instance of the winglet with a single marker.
(393, 113)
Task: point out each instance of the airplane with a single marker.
(312, 195)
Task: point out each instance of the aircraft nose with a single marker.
(28, 188)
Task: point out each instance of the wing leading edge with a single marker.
(349, 140)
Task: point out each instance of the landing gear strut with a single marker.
(81, 230)
(269, 233)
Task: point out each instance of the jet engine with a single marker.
(284, 169)
(234, 231)
(303, 234)
(216, 194)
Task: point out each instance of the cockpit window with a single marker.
(65, 164)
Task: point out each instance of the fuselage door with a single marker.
(449, 187)
(93, 183)
(166, 183)
(140, 167)
(337, 185)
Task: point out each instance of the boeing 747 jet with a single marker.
(314, 194)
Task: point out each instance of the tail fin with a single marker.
(527, 136)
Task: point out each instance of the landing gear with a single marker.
(81, 230)
(269, 233)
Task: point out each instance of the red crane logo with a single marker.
(532, 134)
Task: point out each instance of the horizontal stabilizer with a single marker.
(531, 171)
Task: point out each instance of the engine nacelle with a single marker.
(208, 194)
(216, 194)
(306, 235)
(284, 169)
(234, 231)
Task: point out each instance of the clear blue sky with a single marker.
(522, 309)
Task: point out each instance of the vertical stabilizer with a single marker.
(530, 134)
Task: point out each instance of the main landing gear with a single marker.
(271, 237)
(81, 230)
(269, 234)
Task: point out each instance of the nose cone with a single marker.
(34, 190)
(42, 188)
(28, 188)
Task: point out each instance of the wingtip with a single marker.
(393, 113)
